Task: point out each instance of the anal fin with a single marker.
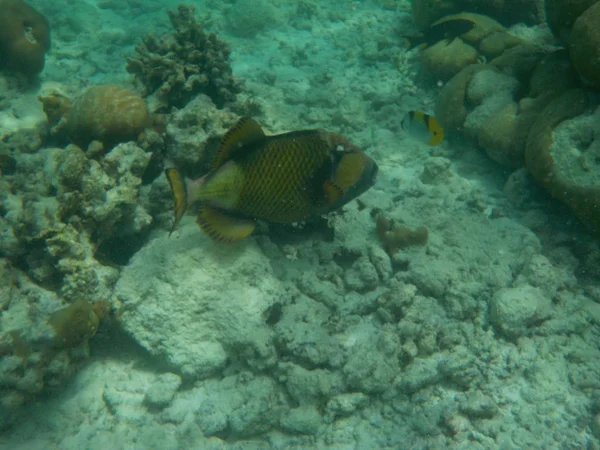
(222, 227)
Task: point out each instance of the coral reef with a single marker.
(426, 12)
(24, 38)
(496, 109)
(506, 107)
(486, 337)
(175, 67)
(61, 211)
(487, 40)
(105, 113)
(58, 217)
(42, 342)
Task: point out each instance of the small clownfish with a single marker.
(423, 127)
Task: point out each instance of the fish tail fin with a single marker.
(180, 195)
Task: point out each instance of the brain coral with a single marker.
(106, 113)
(24, 37)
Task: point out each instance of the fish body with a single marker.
(283, 178)
(442, 30)
(423, 127)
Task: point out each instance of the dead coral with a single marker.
(395, 236)
(177, 66)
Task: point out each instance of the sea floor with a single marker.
(484, 338)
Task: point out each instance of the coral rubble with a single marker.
(175, 67)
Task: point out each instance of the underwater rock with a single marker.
(515, 311)
(162, 391)
(218, 294)
(563, 155)
(175, 67)
(584, 46)
(106, 113)
(24, 38)
(305, 419)
(425, 12)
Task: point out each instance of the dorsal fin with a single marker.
(242, 135)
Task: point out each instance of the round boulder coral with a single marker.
(106, 113)
(563, 154)
(584, 46)
(488, 39)
(496, 107)
(24, 38)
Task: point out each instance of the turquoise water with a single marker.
(453, 304)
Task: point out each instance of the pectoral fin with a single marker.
(332, 191)
(222, 227)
